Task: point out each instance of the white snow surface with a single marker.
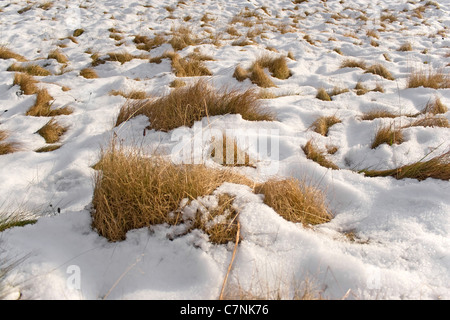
(402, 227)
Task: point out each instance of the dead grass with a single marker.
(240, 74)
(183, 106)
(48, 148)
(177, 83)
(42, 106)
(352, 63)
(380, 70)
(133, 191)
(378, 113)
(52, 131)
(78, 32)
(431, 120)
(323, 95)
(188, 67)
(361, 89)
(6, 53)
(295, 201)
(31, 69)
(124, 57)
(389, 135)
(26, 82)
(435, 79)
(277, 66)
(435, 107)
(313, 153)
(260, 78)
(405, 47)
(134, 94)
(58, 56)
(182, 37)
(437, 168)
(226, 152)
(7, 147)
(322, 124)
(147, 44)
(88, 73)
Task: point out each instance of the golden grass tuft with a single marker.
(58, 56)
(133, 191)
(435, 79)
(183, 106)
(405, 47)
(188, 67)
(78, 32)
(226, 152)
(435, 107)
(295, 201)
(240, 74)
(7, 147)
(322, 124)
(31, 69)
(177, 83)
(352, 63)
(431, 120)
(380, 70)
(6, 53)
(182, 37)
(26, 82)
(88, 73)
(259, 77)
(361, 89)
(42, 106)
(48, 148)
(437, 168)
(52, 131)
(313, 153)
(378, 113)
(276, 65)
(323, 95)
(146, 43)
(389, 135)
(134, 94)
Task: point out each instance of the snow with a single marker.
(402, 227)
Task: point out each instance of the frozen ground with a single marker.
(401, 248)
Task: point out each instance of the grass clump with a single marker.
(378, 113)
(48, 148)
(42, 106)
(259, 77)
(295, 201)
(52, 131)
(78, 32)
(182, 37)
(430, 120)
(7, 147)
(240, 74)
(14, 218)
(437, 168)
(134, 94)
(352, 63)
(185, 105)
(323, 95)
(133, 191)
(31, 69)
(276, 65)
(191, 66)
(322, 124)
(313, 153)
(146, 43)
(389, 135)
(435, 79)
(58, 56)
(435, 107)
(405, 47)
(88, 73)
(380, 70)
(6, 53)
(26, 82)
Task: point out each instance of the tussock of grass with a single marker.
(313, 153)
(295, 201)
(361, 89)
(378, 113)
(380, 70)
(435, 107)
(260, 78)
(26, 82)
(146, 43)
(182, 37)
(134, 94)
(58, 56)
(177, 83)
(352, 63)
(405, 47)
(226, 152)
(7, 147)
(437, 168)
(48, 148)
(42, 106)
(337, 90)
(389, 135)
(78, 32)
(89, 73)
(322, 124)
(240, 74)
(431, 121)
(189, 66)
(123, 57)
(14, 218)
(133, 191)
(435, 79)
(183, 106)
(6, 53)
(52, 131)
(323, 95)
(31, 69)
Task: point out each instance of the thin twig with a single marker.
(238, 234)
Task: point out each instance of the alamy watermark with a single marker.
(73, 281)
(195, 146)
